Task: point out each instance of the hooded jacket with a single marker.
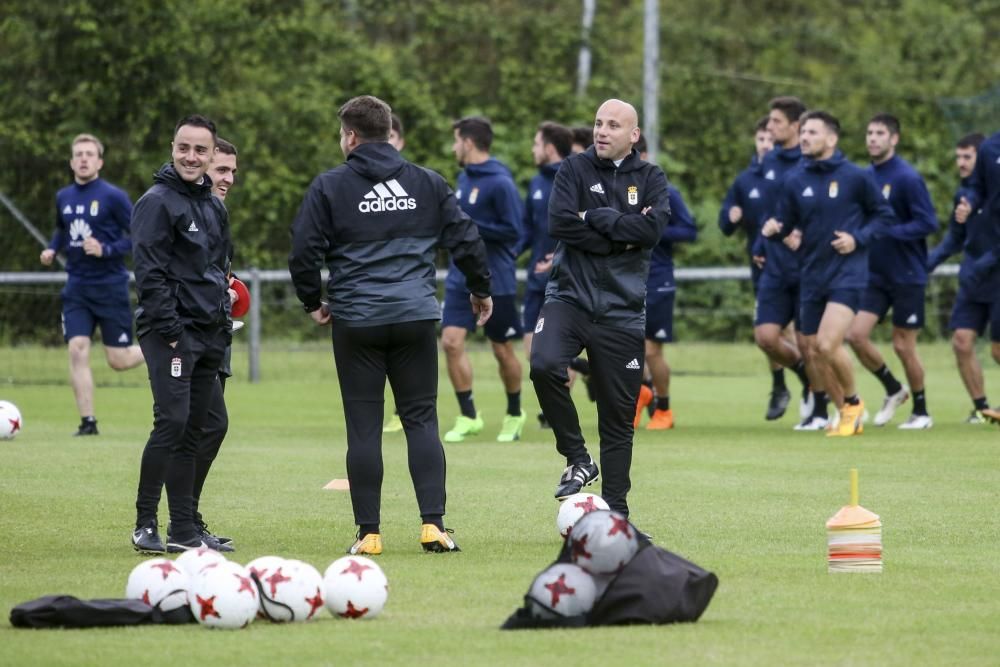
(181, 246)
(978, 276)
(96, 209)
(602, 260)
(487, 193)
(782, 266)
(823, 197)
(535, 232)
(983, 193)
(377, 221)
(749, 192)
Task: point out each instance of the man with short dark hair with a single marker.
(487, 194)
(830, 211)
(180, 234)
(396, 139)
(378, 222)
(897, 275)
(92, 228)
(607, 211)
(583, 138)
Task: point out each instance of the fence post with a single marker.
(254, 350)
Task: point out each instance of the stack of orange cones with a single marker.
(854, 537)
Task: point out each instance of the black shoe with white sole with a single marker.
(146, 539)
(203, 530)
(777, 404)
(197, 542)
(575, 477)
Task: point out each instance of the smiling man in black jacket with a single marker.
(377, 221)
(607, 211)
(181, 245)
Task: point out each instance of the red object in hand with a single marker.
(242, 304)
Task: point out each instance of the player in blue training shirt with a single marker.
(92, 229)
(487, 194)
(830, 211)
(897, 275)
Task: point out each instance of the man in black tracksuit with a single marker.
(181, 245)
(378, 221)
(608, 210)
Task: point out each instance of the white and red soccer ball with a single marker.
(290, 591)
(196, 561)
(10, 420)
(158, 583)
(563, 590)
(602, 542)
(355, 587)
(223, 596)
(574, 507)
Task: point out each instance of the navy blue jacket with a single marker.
(975, 239)
(900, 257)
(825, 196)
(749, 192)
(377, 222)
(782, 265)
(602, 260)
(536, 225)
(680, 228)
(488, 195)
(96, 209)
(984, 193)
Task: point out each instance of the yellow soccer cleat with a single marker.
(435, 540)
(851, 421)
(369, 545)
(464, 427)
(512, 427)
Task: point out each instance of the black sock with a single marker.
(514, 403)
(919, 403)
(367, 529)
(648, 383)
(980, 403)
(465, 403)
(580, 365)
(662, 402)
(434, 519)
(819, 408)
(888, 380)
(800, 370)
(778, 379)
(852, 400)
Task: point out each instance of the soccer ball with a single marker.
(292, 591)
(602, 542)
(223, 597)
(196, 561)
(259, 569)
(574, 507)
(562, 590)
(158, 583)
(355, 587)
(10, 420)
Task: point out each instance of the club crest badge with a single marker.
(175, 367)
(834, 189)
(539, 325)
(886, 189)
(94, 207)
(633, 195)
(473, 195)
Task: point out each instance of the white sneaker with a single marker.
(916, 422)
(889, 405)
(806, 405)
(812, 424)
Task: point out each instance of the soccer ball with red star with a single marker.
(602, 542)
(574, 507)
(562, 590)
(291, 592)
(355, 587)
(10, 420)
(196, 561)
(224, 597)
(158, 583)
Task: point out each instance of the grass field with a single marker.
(741, 497)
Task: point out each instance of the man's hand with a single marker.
(47, 256)
(844, 243)
(542, 266)
(482, 308)
(735, 214)
(793, 240)
(321, 316)
(233, 296)
(962, 211)
(93, 247)
(770, 228)
(759, 261)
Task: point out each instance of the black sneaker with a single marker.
(777, 404)
(203, 530)
(575, 477)
(87, 427)
(543, 421)
(197, 542)
(145, 539)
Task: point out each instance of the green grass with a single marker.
(741, 497)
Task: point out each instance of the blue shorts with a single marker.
(87, 306)
(533, 301)
(660, 319)
(975, 315)
(776, 303)
(906, 301)
(811, 308)
(503, 325)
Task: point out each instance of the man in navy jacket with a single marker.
(830, 211)
(897, 275)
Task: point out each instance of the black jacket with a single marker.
(602, 261)
(181, 246)
(377, 222)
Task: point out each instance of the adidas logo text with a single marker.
(633, 365)
(598, 188)
(388, 196)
